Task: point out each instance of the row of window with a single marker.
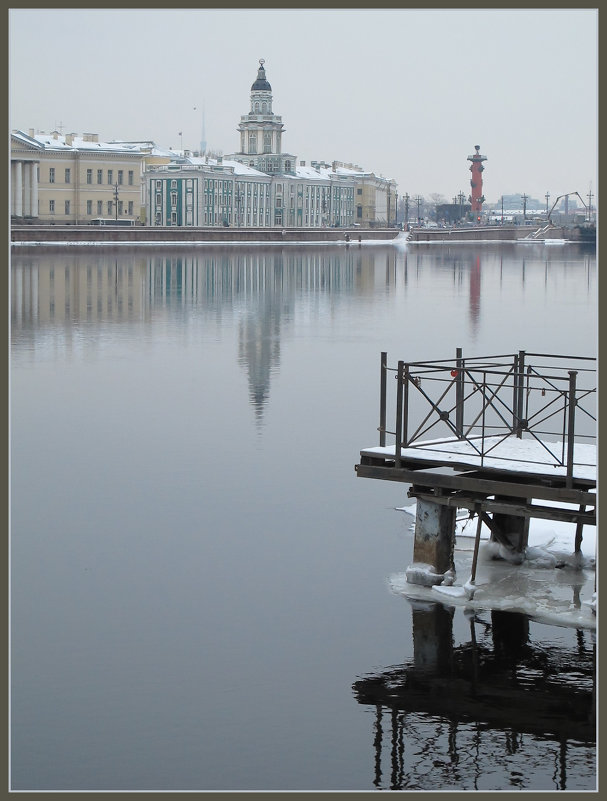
(89, 176)
(67, 207)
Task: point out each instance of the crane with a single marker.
(562, 196)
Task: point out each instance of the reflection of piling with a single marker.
(432, 638)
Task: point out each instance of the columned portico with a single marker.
(24, 188)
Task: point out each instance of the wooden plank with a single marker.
(476, 484)
(518, 510)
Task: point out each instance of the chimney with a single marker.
(302, 163)
(32, 132)
(69, 139)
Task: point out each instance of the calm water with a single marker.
(200, 589)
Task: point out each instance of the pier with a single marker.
(507, 438)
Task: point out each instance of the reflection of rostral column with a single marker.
(476, 182)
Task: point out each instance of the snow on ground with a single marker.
(551, 584)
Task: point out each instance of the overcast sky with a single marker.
(405, 93)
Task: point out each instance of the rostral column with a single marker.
(476, 182)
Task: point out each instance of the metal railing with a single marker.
(485, 400)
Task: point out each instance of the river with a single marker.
(200, 585)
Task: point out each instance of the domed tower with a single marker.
(476, 182)
(261, 131)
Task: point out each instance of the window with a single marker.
(174, 183)
(51, 206)
(252, 143)
(267, 142)
(359, 212)
(110, 207)
(110, 176)
(67, 207)
(120, 176)
(120, 206)
(100, 207)
(99, 176)
(359, 191)
(173, 218)
(130, 208)
(51, 175)
(89, 207)
(131, 177)
(89, 176)
(68, 175)
(173, 198)
(158, 199)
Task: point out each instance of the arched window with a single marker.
(267, 142)
(257, 108)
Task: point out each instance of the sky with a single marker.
(405, 93)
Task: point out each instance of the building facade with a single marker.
(74, 179)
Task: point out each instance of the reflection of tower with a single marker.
(259, 335)
(475, 292)
(476, 182)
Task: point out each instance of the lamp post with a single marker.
(461, 197)
(547, 198)
(116, 201)
(418, 200)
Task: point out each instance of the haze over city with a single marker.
(405, 93)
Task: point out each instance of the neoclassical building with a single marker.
(259, 186)
(72, 179)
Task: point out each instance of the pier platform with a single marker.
(518, 444)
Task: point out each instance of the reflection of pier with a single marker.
(493, 435)
(451, 712)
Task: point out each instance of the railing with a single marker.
(485, 400)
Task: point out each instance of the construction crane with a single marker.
(566, 195)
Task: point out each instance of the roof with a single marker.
(261, 84)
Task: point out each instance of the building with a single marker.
(259, 186)
(376, 198)
(73, 179)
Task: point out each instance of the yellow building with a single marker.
(74, 179)
(375, 197)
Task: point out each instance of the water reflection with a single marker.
(452, 717)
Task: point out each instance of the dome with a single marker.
(261, 84)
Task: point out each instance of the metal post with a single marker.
(477, 540)
(571, 426)
(459, 394)
(514, 393)
(406, 407)
(399, 412)
(382, 399)
(521, 392)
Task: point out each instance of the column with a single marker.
(27, 189)
(18, 187)
(35, 211)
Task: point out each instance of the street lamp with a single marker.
(116, 201)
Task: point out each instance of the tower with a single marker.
(476, 182)
(261, 132)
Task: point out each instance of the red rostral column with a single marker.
(476, 182)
